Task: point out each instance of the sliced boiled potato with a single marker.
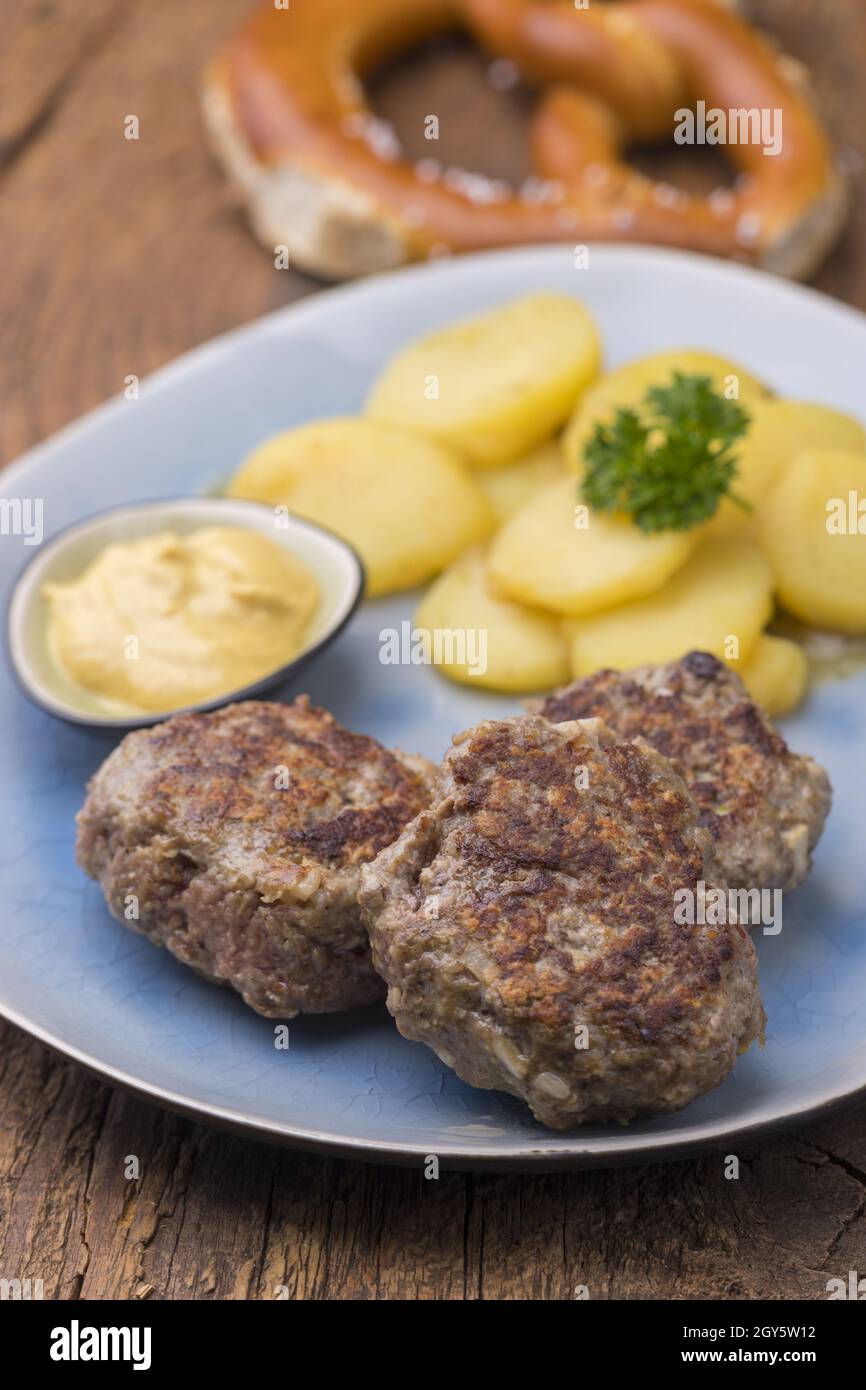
(496, 385)
(407, 505)
(482, 640)
(512, 484)
(775, 673)
(626, 387)
(723, 593)
(813, 527)
(779, 430)
(544, 558)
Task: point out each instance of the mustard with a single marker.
(169, 620)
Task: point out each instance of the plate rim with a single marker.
(311, 304)
(575, 1154)
(468, 1158)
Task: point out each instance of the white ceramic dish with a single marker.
(334, 564)
(349, 1084)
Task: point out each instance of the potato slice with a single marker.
(775, 673)
(523, 650)
(724, 592)
(778, 431)
(493, 386)
(507, 488)
(626, 387)
(813, 527)
(407, 505)
(542, 558)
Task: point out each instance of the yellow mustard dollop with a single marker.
(169, 620)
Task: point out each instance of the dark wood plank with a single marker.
(213, 1216)
(118, 255)
(831, 40)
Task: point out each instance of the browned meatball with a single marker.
(763, 805)
(530, 910)
(240, 836)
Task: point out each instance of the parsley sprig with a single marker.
(670, 463)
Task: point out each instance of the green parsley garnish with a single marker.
(669, 464)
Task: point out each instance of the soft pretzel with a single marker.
(323, 176)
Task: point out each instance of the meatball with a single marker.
(236, 839)
(763, 805)
(525, 926)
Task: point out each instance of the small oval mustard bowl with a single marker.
(336, 567)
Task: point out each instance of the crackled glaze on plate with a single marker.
(351, 1084)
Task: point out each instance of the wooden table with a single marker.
(116, 255)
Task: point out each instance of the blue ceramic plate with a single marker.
(351, 1084)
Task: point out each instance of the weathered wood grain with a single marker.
(44, 44)
(217, 1217)
(117, 255)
